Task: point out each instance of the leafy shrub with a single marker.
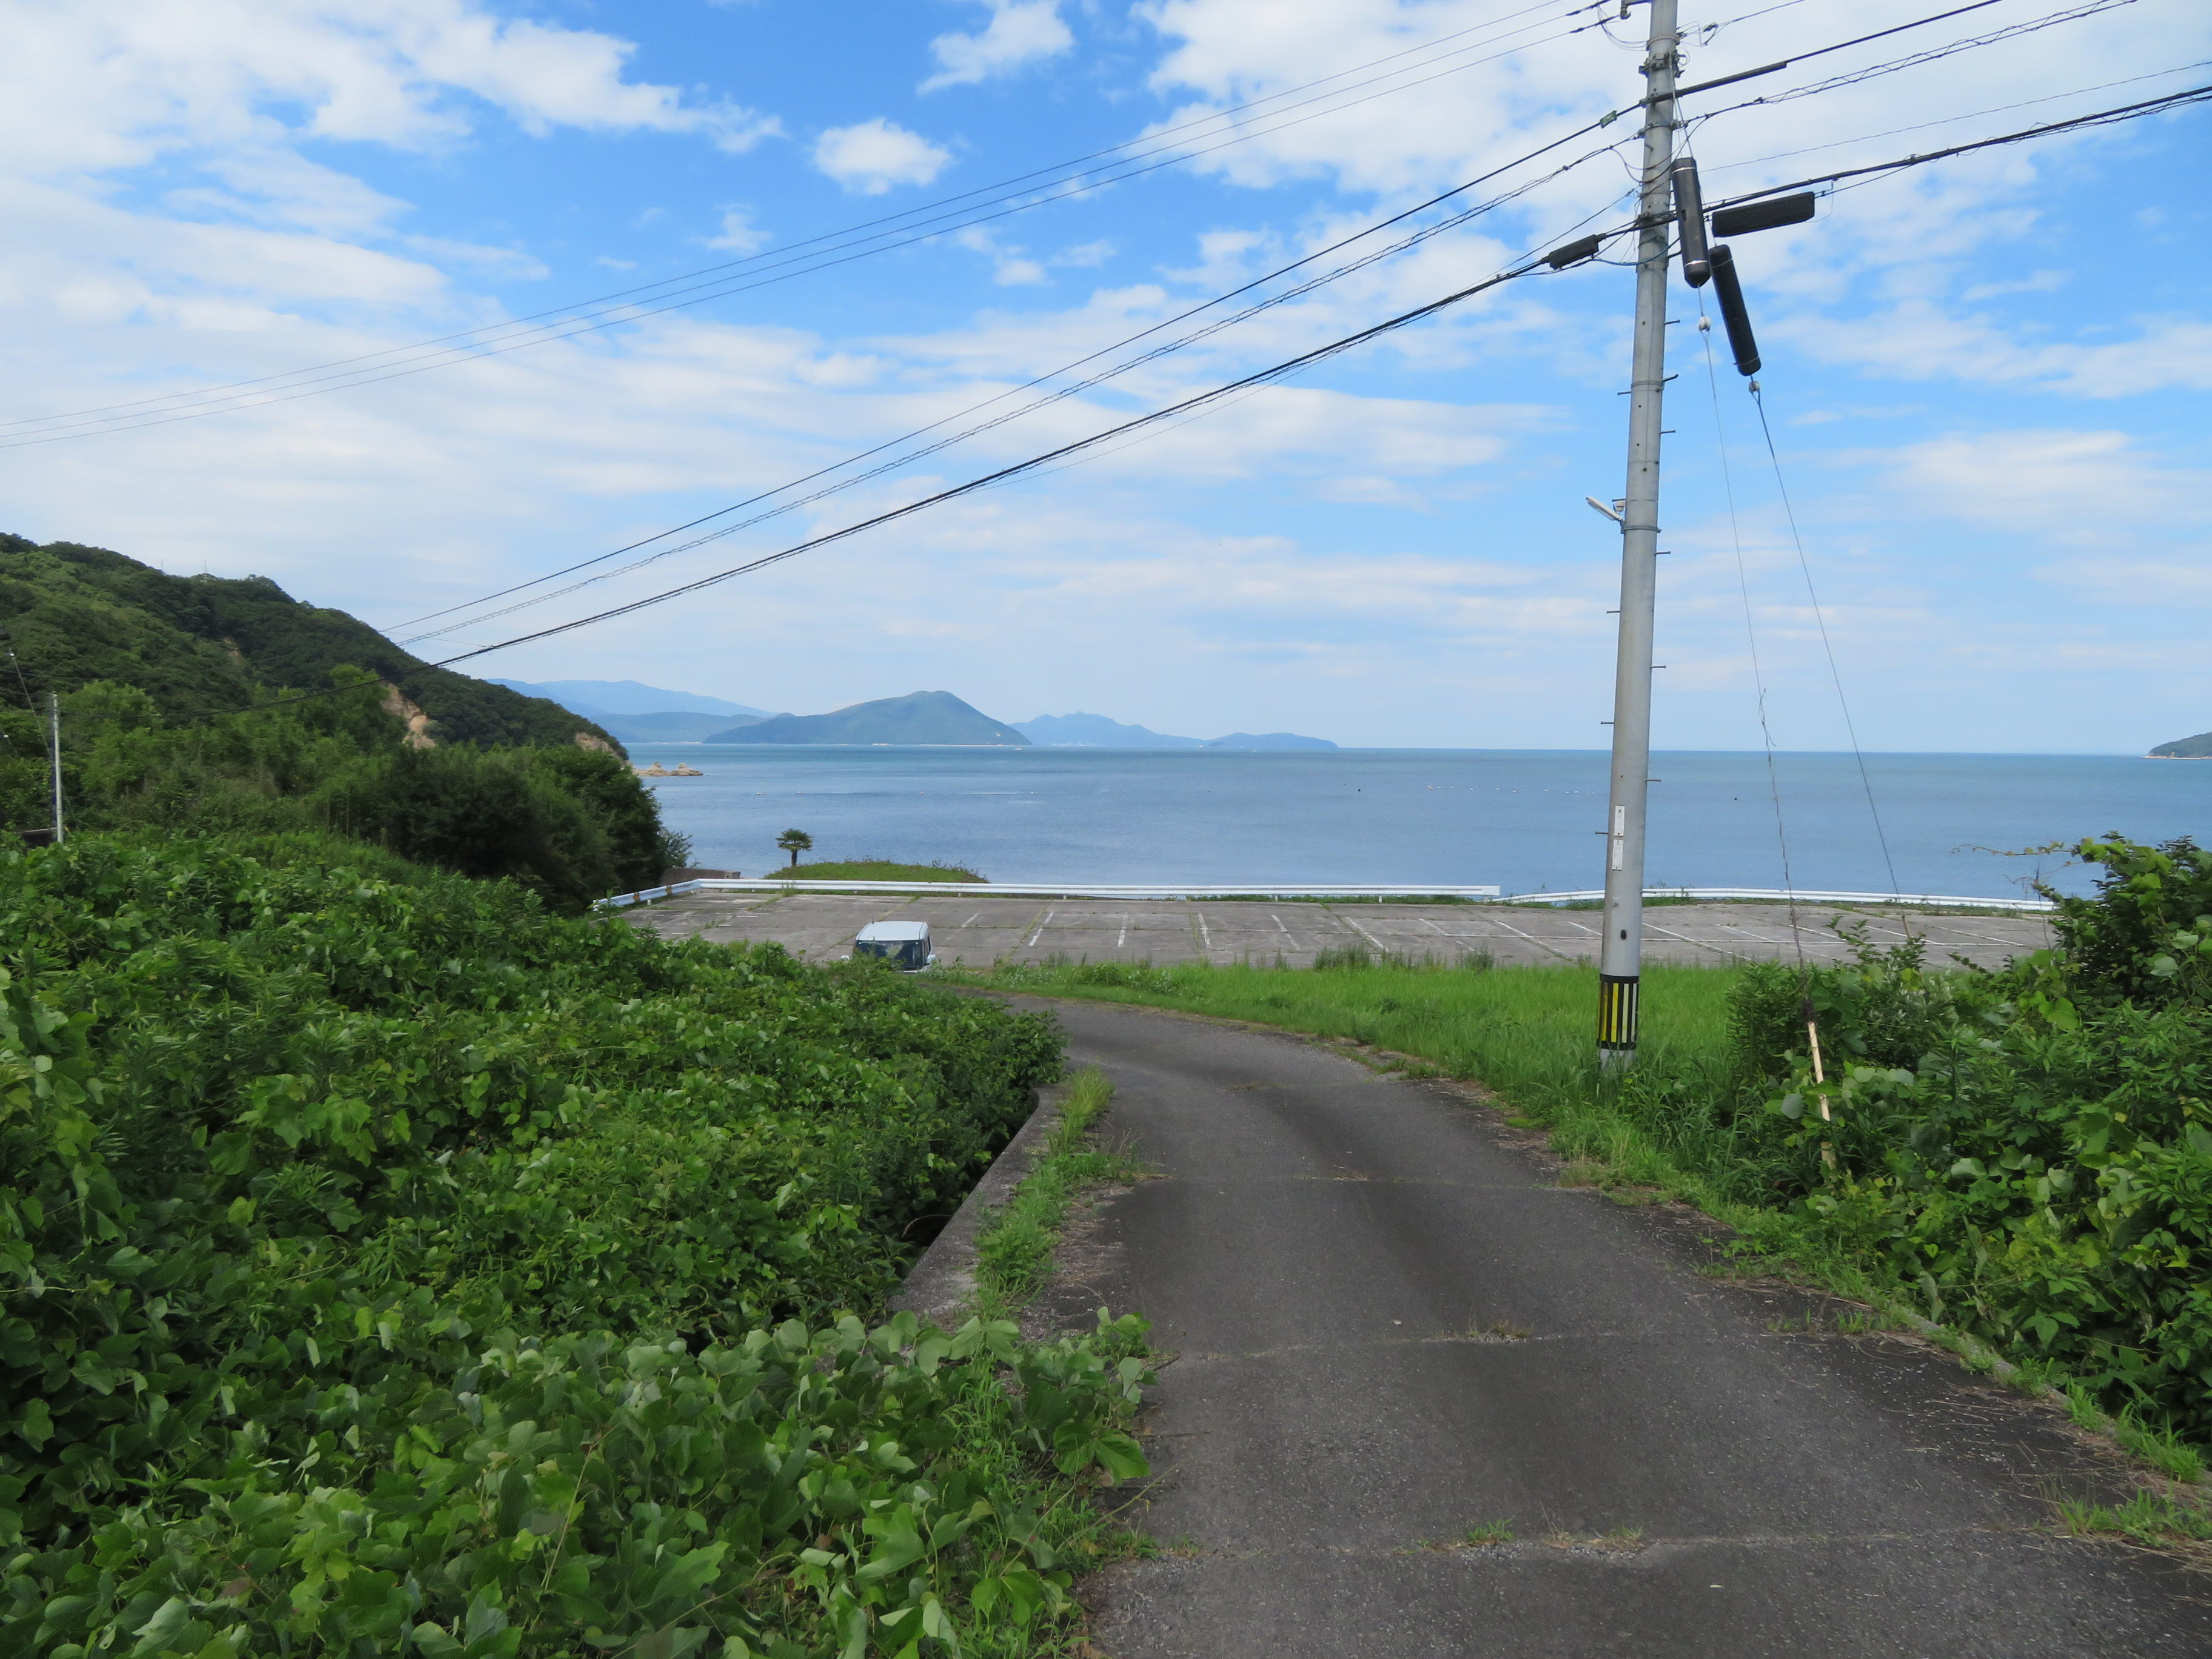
(391, 1267)
(2031, 1152)
(1882, 1008)
(571, 824)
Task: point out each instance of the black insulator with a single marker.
(1730, 292)
(1690, 209)
(1763, 215)
(1573, 253)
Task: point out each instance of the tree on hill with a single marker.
(795, 841)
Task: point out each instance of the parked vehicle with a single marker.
(906, 943)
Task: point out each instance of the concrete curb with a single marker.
(939, 1286)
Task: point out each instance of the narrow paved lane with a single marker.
(1390, 1324)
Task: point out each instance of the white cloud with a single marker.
(738, 234)
(869, 158)
(91, 85)
(2063, 486)
(2135, 581)
(1919, 339)
(1020, 31)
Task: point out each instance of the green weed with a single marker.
(2149, 1518)
(538, 1240)
(1013, 1251)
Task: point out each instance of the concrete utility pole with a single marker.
(1620, 958)
(54, 748)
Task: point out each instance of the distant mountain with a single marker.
(205, 645)
(1096, 731)
(627, 697)
(1267, 740)
(677, 727)
(2196, 748)
(922, 717)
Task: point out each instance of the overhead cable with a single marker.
(1523, 268)
(1278, 371)
(1425, 234)
(1780, 63)
(1852, 78)
(2101, 118)
(1964, 115)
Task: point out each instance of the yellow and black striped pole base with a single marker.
(1616, 1014)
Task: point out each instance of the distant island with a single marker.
(2196, 748)
(641, 714)
(634, 713)
(934, 719)
(1096, 731)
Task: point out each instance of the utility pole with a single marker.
(1620, 957)
(54, 748)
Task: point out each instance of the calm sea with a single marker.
(1526, 819)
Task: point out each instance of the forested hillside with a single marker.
(205, 645)
(203, 706)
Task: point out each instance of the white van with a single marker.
(906, 943)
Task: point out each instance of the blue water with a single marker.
(1525, 819)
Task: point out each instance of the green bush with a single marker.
(396, 1267)
(2031, 1152)
(571, 824)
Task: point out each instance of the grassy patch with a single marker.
(874, 869)
(1013, 1252)
(2156, 1519)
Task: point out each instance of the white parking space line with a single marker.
(1702, 945)
(1278, 920)
(1124, 940)
(1204, 934)
(1357, 929)
(1542, 945)
(1040, 927)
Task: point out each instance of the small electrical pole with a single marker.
(1620, 956)
(54, 748)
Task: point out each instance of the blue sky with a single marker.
(1987, 377)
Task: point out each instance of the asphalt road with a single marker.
(1389, 1323)
(980, 930)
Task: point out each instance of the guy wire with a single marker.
(1751, 634)
(1819, 617)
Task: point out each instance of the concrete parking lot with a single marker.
(819, 926)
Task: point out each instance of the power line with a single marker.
(1425, 234)
(919, 224)
(1853, 77)
(1523, 268)
(879, 470)
(1967, 115)
(1803, 57)
(2101, 118)
(1290, 366)
(1278, 371)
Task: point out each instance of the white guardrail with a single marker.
(1287, 890)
